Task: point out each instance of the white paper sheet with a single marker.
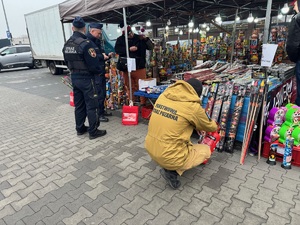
(131, 66)
(268, 53)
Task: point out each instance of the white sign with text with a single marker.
(268, 53)
(131, 64)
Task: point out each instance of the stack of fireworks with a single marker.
(282, 71)
(200, 74)
(206, 64)
(115, 88)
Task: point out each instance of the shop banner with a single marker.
(281, 96)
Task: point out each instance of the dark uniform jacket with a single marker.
(81, 57)
(99, 51)
(293, 40)
(139, 55)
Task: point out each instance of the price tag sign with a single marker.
(268, 53)
(131, 66)
(199, 62)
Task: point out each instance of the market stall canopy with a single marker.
(90, 9)
(179, 12)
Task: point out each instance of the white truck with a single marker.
(47, 36)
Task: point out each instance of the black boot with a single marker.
(107, 113)
(171, 177)
(98, 133)
(83, 130)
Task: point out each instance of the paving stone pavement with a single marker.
(49, 175)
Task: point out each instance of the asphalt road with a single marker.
(39, 82)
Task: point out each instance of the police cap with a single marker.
(96, 25)
(78, 22)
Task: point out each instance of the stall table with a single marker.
(151, 97)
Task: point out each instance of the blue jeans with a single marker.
(101, 90)
(86, 104)
(297, 71)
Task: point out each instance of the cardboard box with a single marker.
(144, 83)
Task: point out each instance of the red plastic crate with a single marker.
(279, 157)
(146, 111)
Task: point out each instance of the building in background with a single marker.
(23, 40)
(4, 42)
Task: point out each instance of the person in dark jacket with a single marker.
(137, 49)
(94, 35)
(293, 45)
(81, 58)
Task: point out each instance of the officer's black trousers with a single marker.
(101, 90)
(86, 103)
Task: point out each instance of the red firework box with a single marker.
(146, 111)
(72, 99)
(280, 152)
(130, 115)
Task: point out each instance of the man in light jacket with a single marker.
(176, 113)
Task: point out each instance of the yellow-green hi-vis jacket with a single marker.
(176, 113)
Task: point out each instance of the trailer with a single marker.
(47, 36)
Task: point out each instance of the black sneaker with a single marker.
(103, 119)
(82, 131)
(170, 177)
(107, 113)
(98, 133)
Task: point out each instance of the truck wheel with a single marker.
(37, 63)
(53, 69)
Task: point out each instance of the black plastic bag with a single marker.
(122, 64)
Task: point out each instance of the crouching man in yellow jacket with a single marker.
(176, 113)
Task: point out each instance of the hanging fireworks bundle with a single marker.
(256, 98)
(240, 91)
(211, 98)
(224, 114)
(218, 102)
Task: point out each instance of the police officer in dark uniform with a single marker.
(94, 35)
(81, 59)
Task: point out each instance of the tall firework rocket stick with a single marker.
(218, 102)
(257, 106)
(67, 81)
(224, 115)
(253, 99)
(262, 120)
(211, 100)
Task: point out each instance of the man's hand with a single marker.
(203, 133)
(111, 54)
(144, 37)
(105, 56)
(133, 48)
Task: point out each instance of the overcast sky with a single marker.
(15, 10)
